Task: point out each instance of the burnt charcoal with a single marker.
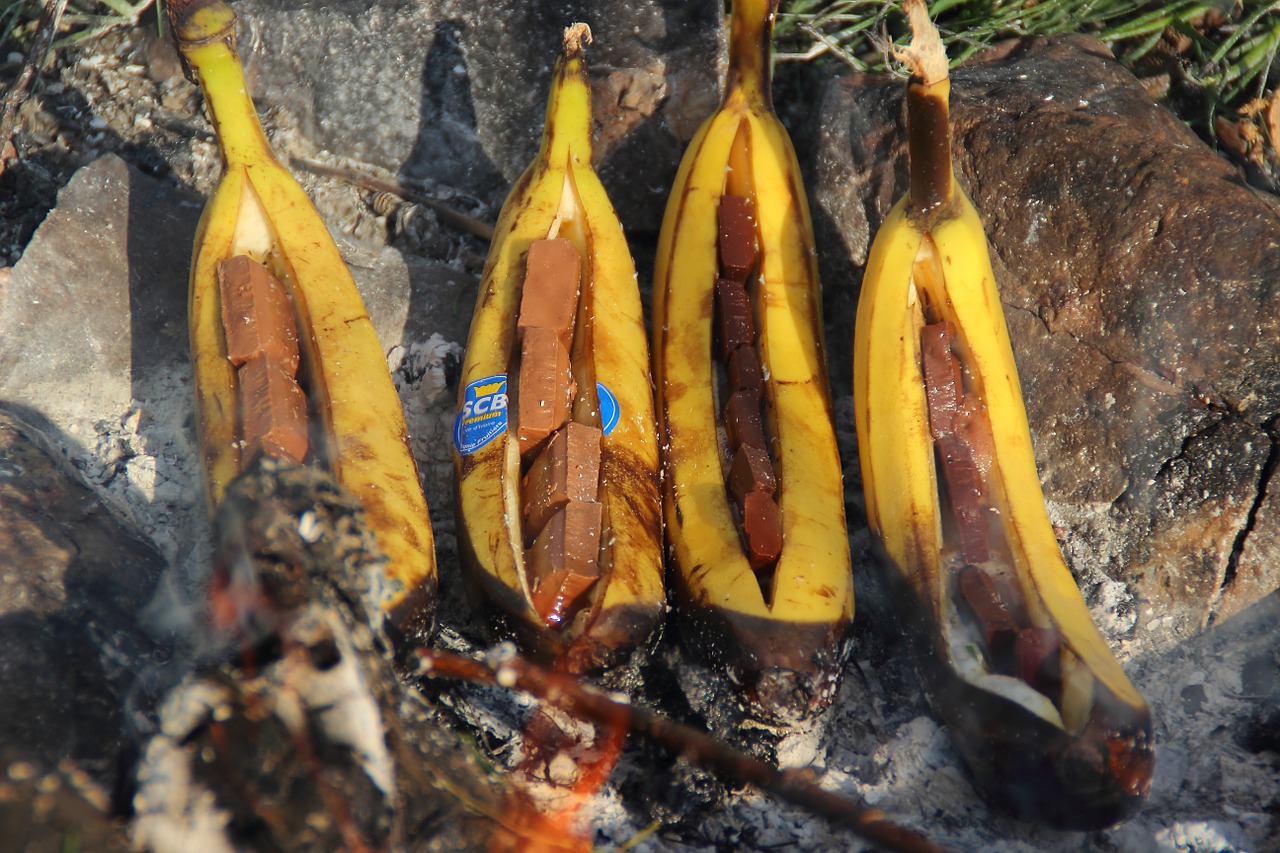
(941, 378)
(257, 316)
(53, 811)
(567, 469)
(978, 594)
(549, 296)
(743, 369)
(762, 528)
(737, 237)
(274, 410)
(733, 308)
(742, 421)
(545, 390)
(752, 471)
(964, 496)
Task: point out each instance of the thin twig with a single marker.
(447, 215)
(37, 53)
(566, 693)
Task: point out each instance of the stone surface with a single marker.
(74, 582)
(1138, 274)
(454, 92)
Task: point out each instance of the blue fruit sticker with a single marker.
(484, 414)
(609, 409)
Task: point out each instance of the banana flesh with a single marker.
(1040, 707)
(258, 211)
(778, 633)
(559, 196)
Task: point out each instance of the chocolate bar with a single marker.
(978, 592)
(274, 411)
(737, 237)
(941, 377)
(752, 471)
(565, 558)
(964, 492)
(257, 317)
(549, 296)
(762, 528)
(567, 469)
(742, 420)
(1039, 657)
(545, 390)
(734, 311)
(743, 369)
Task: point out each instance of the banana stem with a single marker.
(750, 49)
(928, 114)
(204, 31)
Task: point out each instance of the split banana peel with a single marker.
(1036, 702)
(770, 610)
(334, 404)
(559, 207)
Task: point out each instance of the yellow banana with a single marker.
(560, 196)
(1040, 708)
(259, 211)
(779, 632)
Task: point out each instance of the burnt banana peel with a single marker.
(778, 633)
(1036, 701)
(258, 210)
(559, 196)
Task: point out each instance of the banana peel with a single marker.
(560, 196)
(781, 636)
(1072, 748)
(258, 210)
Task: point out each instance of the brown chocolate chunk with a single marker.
(742, 420)
(941, 377)
(737, 237)
(545, 390)
(257, 316)
(565, 556)
(752, 471)
(978, 592)
(744, 371)
(964, 493)
(274, 411)
(762, 528)
(734, 309)
(568, 469)
(555, 595)
(1040, 660)
(549, 296)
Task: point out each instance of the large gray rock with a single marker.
(454, 92)
(1139, 279)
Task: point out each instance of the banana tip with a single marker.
(925, 56)
(575, 37)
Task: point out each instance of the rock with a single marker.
(74, 583)
(1138, 274)
(455, 93)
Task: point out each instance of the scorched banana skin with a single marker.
(259, 210)
(780, 637)
(559, 195)
(1078, 752)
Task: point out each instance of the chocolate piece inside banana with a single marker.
(561, 518)
(262, 342)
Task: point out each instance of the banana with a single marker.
(1037, 703)
(259, 211)
(778, 633)
(559, 196)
